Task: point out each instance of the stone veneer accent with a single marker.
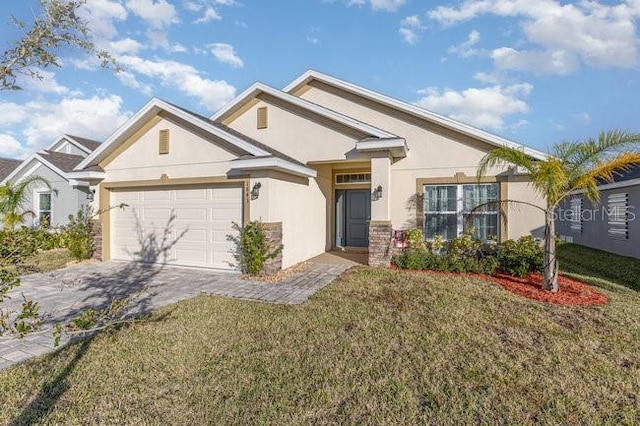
(273, 234)
(96, 234)
(380, 233)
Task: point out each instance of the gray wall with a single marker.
(595, 225)
(67, 201)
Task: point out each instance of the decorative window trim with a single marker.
(460, 211)
(262, 118)
(618, 216)
(163, 141)
(352, 178)
(37, 208)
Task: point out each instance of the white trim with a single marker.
(35, 157)
(36, 204)
(258, 88)
(413, 110)
(153, 107)
(272, 163)
(86, 175)
(71, 140)
(396, 146)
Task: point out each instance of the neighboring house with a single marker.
(7, 165)
(325, 164)
(66, 195)
(613, 224)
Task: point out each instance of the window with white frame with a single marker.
(575, 216)
(618, 218)
(451, 209)
(44, 208)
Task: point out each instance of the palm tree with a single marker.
(13, 196)
(572, 166)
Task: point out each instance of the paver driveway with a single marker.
(62, 294)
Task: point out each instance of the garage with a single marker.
(180, 225)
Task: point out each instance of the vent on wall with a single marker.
(262, 117)
(163, 141)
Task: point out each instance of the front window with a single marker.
(44, 208)
(449, 210)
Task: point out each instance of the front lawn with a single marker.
(375, 347)
(596, 265)
(42, 261)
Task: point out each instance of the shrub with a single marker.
(520, 257)
(252, 250)
(18, 244)
(77, 236)
(415, 239)
(445, 262)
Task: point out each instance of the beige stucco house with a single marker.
(324, 163)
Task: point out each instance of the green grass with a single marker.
(375, 347)
(43, 261)
(597, 266)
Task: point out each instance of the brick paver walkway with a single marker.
(62, 294)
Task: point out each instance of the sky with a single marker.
(537, 72)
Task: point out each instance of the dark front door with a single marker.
(353, 211)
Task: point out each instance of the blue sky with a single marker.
(536, 72)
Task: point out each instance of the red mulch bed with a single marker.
(572, 292)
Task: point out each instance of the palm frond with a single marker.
(605, 171)
(505, 156)
(590, 153)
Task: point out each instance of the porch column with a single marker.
(380, 224)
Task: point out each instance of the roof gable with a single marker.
(367, 130)
(156, 107)
(311, 75)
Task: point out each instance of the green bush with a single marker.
(77, 236)
(252, 249)
(520, 257)
(446, 262)
(18, 244)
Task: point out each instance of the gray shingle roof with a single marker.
(87, 143)
(65, 162)
(7, 165)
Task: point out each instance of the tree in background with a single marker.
(13, 196)
(572, 166)
(58, 26)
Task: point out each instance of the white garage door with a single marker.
(185, 226)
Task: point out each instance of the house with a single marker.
(325, 164)
(66, 195)
(7, 165)
(610, 225)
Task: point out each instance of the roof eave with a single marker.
(272, 163)
(397, 147)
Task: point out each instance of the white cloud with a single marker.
(95, 117)
(11, 113)
(383, 5)
(101, 14)
(586, 32)
(466, 48)
(212, 93)
(482, 107)
(124, 46)
(210, 14)
(47, 83)
(157, 13)
(583, 117)
(11, 148)
(226, 54)
(410, 27)
(539, 62)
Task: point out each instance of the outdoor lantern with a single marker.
(255, 191)
(377, 193)
(91, 194)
